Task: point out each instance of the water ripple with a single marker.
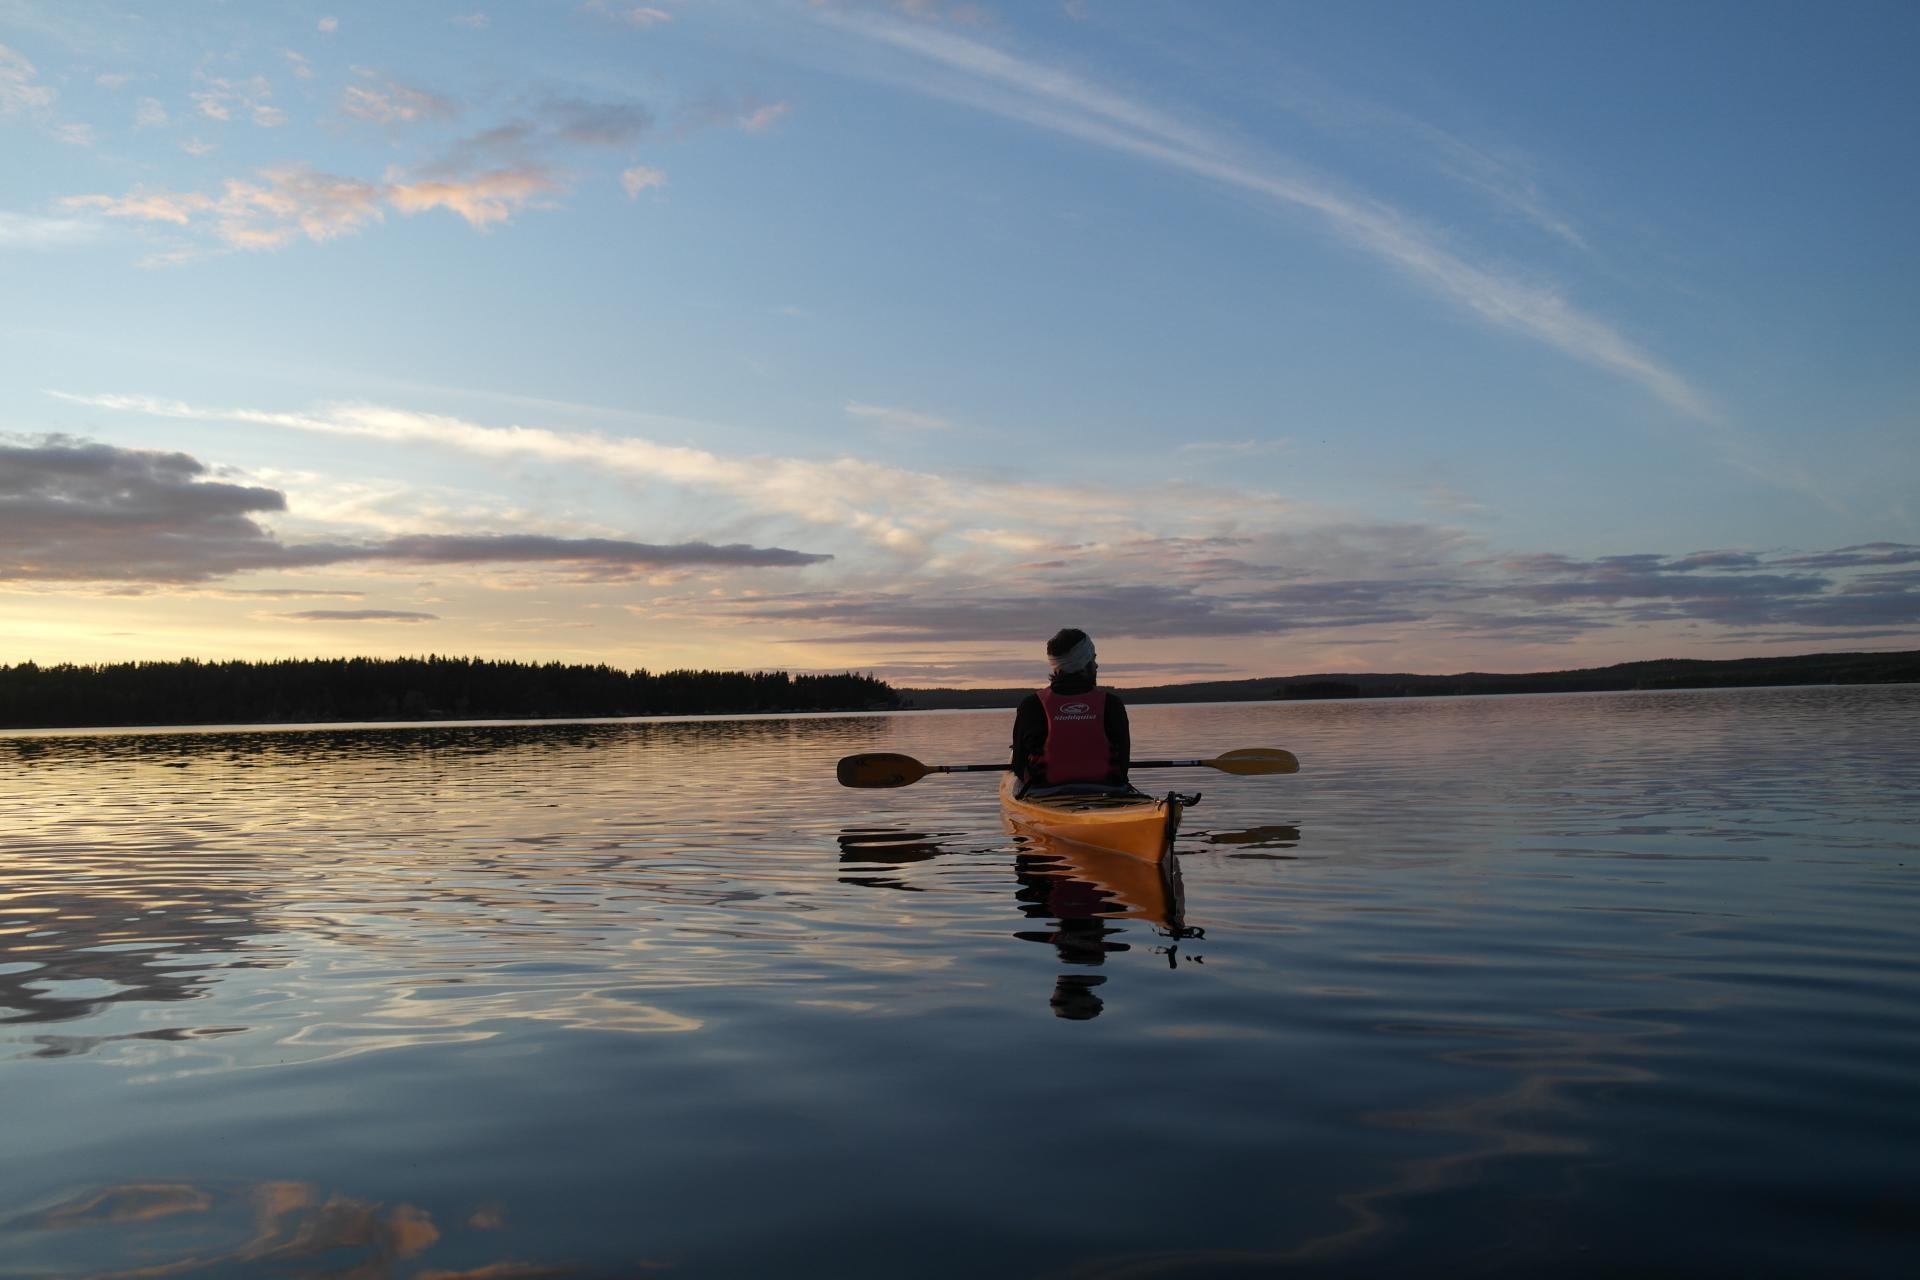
(1489, 979)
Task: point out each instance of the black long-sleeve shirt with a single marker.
(1030, 732)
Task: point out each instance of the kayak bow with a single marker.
(1137, 825)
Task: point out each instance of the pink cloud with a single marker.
(285, 202)
(18, 92)
(637, 179)
(280, 204)
(765, 117)
(394, 103)
(146, 206)
(482, 198)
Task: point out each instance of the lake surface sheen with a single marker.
(1528, 985)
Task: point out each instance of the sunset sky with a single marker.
(1254, 338)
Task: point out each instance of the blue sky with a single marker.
(1254, 338)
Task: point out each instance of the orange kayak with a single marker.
(1141, 827)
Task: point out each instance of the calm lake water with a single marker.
(1531, 985)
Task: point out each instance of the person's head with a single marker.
(1070, 652)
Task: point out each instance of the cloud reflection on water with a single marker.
(154, 1229)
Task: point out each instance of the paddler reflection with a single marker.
(1093, 901)
(1092, 898)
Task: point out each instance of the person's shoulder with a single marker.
(1113, 696)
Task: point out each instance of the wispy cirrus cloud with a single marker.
(987, 78)
(1442, 496)
(881, 415)
(612, 557)
(962, 14)
(358, 615)
(894, 508)
(638, 16)
(760, 119)
(273, 593)
(20, 89)
(587, 122)
(1234, 448)
(1133, 610)
(77, 511)
(220, 97)
(26, 231)
(389, 102)
(1503, 179)
(641, 178)
(1497, 173)
(749, 116)
(147, 206)
(1868, 553)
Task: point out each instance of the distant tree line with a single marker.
(1666, 673)
(325, 689)
(1661, 673)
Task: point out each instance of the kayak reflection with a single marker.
(1091, 897)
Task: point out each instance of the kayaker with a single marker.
(1071, 733)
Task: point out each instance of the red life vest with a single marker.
(1076, 749)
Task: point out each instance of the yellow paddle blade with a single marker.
(879, 769)
(1251, 760)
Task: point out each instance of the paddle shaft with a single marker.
(1134, 764)
(886, 769)
(1001, 768)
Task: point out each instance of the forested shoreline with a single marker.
(316, 690)
(320, 690)
(1664, 673)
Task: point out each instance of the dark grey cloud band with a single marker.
(76, 511)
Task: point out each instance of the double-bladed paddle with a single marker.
(885, 769)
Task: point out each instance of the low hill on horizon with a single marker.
(1662, 673)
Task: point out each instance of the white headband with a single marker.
(1078, 658)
